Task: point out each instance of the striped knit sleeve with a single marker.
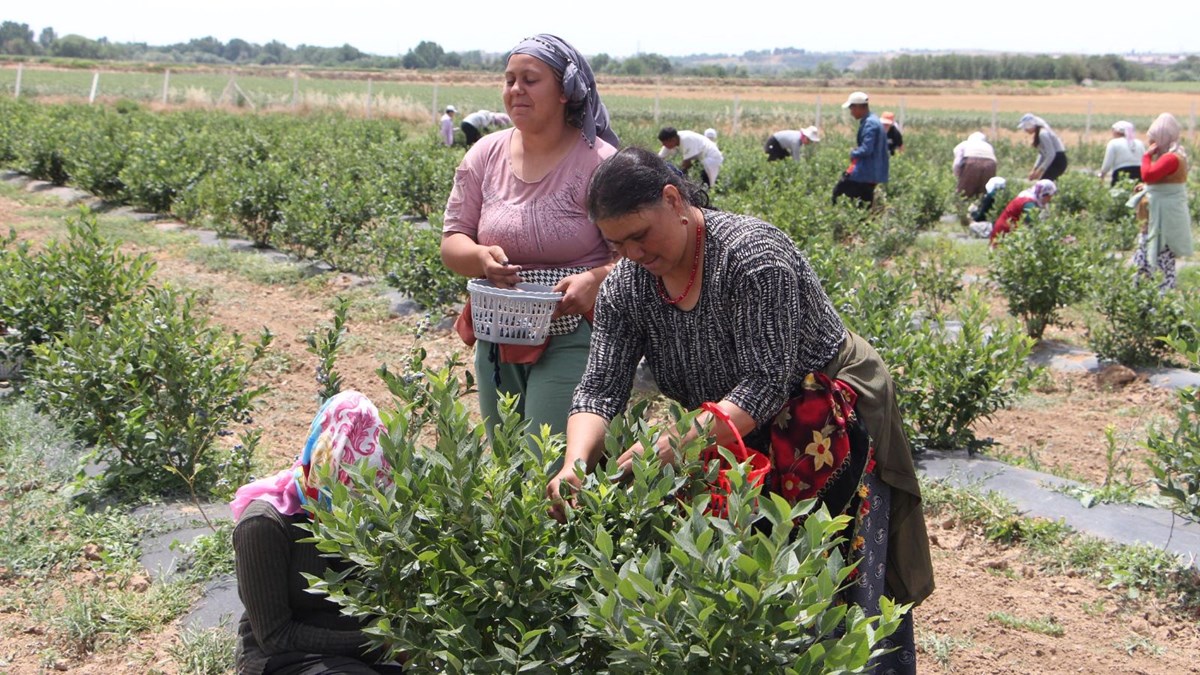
(616, 348)
(766, 334)
(262, 551)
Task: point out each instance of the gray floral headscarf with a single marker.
(579, 85)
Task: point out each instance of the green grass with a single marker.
(942, 647)
(248, 265)
(95, 617)
(1135, 643)
(43, 537)
(1046, 626)
(204, 652)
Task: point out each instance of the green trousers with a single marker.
(546, 387)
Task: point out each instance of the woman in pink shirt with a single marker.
(517, 213)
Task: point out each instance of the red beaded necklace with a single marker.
(662, 288)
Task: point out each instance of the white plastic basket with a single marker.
(516, 316)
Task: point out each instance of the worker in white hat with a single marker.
(789, 142)
(447, 128)
(869, 159)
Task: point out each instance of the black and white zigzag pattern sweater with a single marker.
(763, 321)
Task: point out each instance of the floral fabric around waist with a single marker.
(819, 446)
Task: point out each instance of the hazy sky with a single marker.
(624, 27)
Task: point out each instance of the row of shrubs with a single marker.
(344, 190)
(341, 187)
(137, 371)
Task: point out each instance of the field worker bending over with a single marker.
(788, 142)
(725, 309)
(895, 139)
(694, 147)
(447, 129)
(1052, 154)
(974, 165)
(869, 159)
(1028, 202)
(480, 122)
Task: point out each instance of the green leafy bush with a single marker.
(412, 260)
(457, 563)
(1176, 460)
(39, 146)
(1042, 267)
(152, 387)
(1134, 316)
(950, 375)
(94, 152)
(937, 273)
(81, 280)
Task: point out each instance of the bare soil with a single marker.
(1061, 426)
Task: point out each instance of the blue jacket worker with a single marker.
(869, 160)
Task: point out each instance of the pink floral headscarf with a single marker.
(344, 432)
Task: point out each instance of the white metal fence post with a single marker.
(95, 85)
(20, 72)
(166, 85)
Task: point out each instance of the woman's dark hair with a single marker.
(632, 179)
(1037, 136)
(667, 133)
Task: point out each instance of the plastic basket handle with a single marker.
(739, 451)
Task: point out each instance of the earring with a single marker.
(684, 221)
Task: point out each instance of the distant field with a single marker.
(724, 105)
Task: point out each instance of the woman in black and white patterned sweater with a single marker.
(725, 308)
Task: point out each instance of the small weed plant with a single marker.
(1176, 460)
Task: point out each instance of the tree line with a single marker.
(18, 39)
(1107, 68)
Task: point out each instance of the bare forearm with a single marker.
(463, 255)
(585, 439)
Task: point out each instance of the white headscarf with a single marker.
(1029, 122)
(978, 137)
(1041, 191)
(1166, 132)
(710, 134)
(995, 183)
(1126, 129)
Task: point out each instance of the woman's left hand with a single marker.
(579, 294)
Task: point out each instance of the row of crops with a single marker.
(352, 192)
